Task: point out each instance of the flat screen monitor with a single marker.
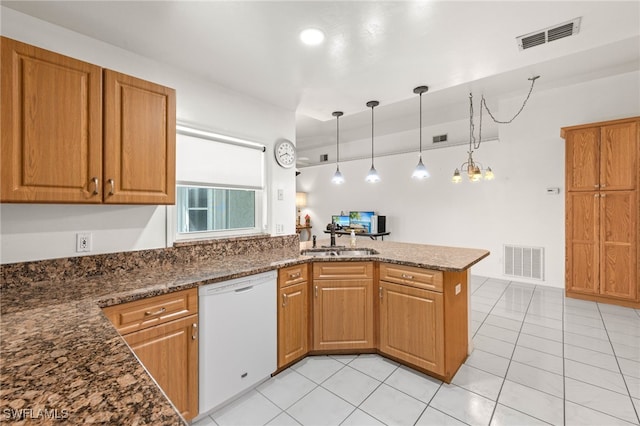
(340, 220)
(360, 219)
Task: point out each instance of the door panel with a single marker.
(293, 340)
(583, 217)
(618, 244)
(619, 166)
(582, 159)
(411, 326)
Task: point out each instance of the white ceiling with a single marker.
(373, 49)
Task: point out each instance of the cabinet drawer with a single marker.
(342, 270)
(408, 275)
(133, 316)
(292, 275)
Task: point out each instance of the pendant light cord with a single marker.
(373, 106)
(337, 140)
(483, 103)
(420, 124)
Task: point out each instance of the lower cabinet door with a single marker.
(343, 314)
(411, 326)
(293, 323)
(170, 353)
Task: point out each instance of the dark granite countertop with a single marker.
(61, 358)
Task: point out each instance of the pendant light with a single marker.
(337, 176)
(420, 172)
(372, 176)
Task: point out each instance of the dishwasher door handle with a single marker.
(244, 289)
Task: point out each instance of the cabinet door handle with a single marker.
(284, 300)
(194, 331)
(596, 195)
(380, 292)
(96, 182)
(112, 184)
(596, 186)
(407, 276)
(603, 186)
(316, 291)
(294, 276)
(603, 195)
(158, 312)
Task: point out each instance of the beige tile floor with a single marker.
(539, 358)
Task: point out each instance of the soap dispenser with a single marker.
(353, 238)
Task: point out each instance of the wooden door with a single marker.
(139, 141)
(583, 159)
(618, 227)
(411, 326)
(170, 353)
(619, 158)
(293, 323)
(343, 314)
(583, 242)
(51, 109)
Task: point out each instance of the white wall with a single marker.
(512, 209)
(33, 232)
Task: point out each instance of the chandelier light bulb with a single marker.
(456, 177)
(488, 175)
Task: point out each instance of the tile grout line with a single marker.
(515, 345)
(624, 380)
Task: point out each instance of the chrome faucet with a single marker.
(314, 241)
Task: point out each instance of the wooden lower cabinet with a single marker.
(416, 316)
(170, 353)
(162, 331)
(343, 308)
(293, 314)
(411, 325)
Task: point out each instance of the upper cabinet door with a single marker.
(51, 109)
(139, 141)
(619, 145)
(583, 159)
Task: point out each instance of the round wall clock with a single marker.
(285, 152)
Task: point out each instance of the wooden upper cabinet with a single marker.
(51, 109)
(139, 141)
(618, 151)
(62, 144)
(583, 159)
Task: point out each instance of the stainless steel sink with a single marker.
(338, 252)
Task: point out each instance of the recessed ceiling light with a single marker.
(312, 36)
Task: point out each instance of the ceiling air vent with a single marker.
(547, 35)
(440, 138)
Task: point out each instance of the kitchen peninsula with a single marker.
(60, 355)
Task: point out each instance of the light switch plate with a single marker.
(280, 194)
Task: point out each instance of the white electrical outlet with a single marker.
(279, 228)
(83, 242)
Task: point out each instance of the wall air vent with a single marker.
(440, 138)
(324, 158)
(525, 262)
(547, 35)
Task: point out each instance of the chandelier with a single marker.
(474, 169)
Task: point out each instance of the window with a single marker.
(220, 186)
(203, 209)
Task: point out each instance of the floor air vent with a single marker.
(547, 35)
(525, 262)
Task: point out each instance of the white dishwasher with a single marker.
(238, 337)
